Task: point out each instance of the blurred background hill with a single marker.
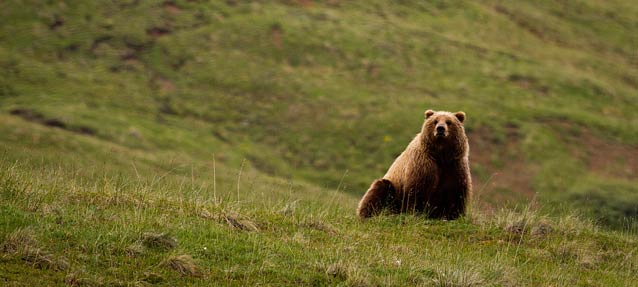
(329, 92)
(228, 142)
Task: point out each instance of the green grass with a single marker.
(103, 229)
(252, 128)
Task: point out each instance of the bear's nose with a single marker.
(440, 129)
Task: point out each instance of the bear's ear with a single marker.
(428, 113)
(460, 116)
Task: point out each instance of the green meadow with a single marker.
(227, 143)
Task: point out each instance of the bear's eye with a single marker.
(448, 122)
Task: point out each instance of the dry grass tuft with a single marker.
(289, 209)
(576, 252)
(358, 279)
(135, 249)
(184, 265)
(522, 224)
(236, 221)
(457, 277)
(204, 213)
(318, 225)
(337, 270)
(22, 243)
(17, 240)
(574, 225)
(42, 259)
(530, 222)
(79, 278)
(152, 277)
(343, 272)
(516, 223)
(498, 273)
(541, 229)
(516, 227)
(162, 241)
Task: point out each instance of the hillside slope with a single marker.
(64, 223)
(315, 91)
(251, 128)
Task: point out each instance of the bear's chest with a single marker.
(450, 182)
(450, 190)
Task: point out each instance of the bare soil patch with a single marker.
(33, 116)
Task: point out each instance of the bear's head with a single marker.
(444, 131)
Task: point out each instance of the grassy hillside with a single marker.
(251, 128)
(69, 224)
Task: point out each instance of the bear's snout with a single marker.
(440, 130)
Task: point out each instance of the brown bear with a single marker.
(431, 176)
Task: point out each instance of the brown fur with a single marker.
(431, 176)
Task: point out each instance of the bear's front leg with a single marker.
(376, 198)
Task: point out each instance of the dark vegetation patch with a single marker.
(97, 41)
(171, 8)
(529, 83)
(134, 50)
(56, 23)
(610, 204)
(34, 116)
(157, 32)
(153, 278)
(160, 241)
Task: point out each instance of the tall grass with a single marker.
(118, 229)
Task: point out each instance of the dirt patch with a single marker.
(506, 176)
(133, 50)
(171, 8)
(56, 23)
(33, 116)
(277, 34)
(97, 42)
(629, 80)
(162, 85)
(157, 32)
(301, 3)
(611, 159)
(600, 155)
(528, 83)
